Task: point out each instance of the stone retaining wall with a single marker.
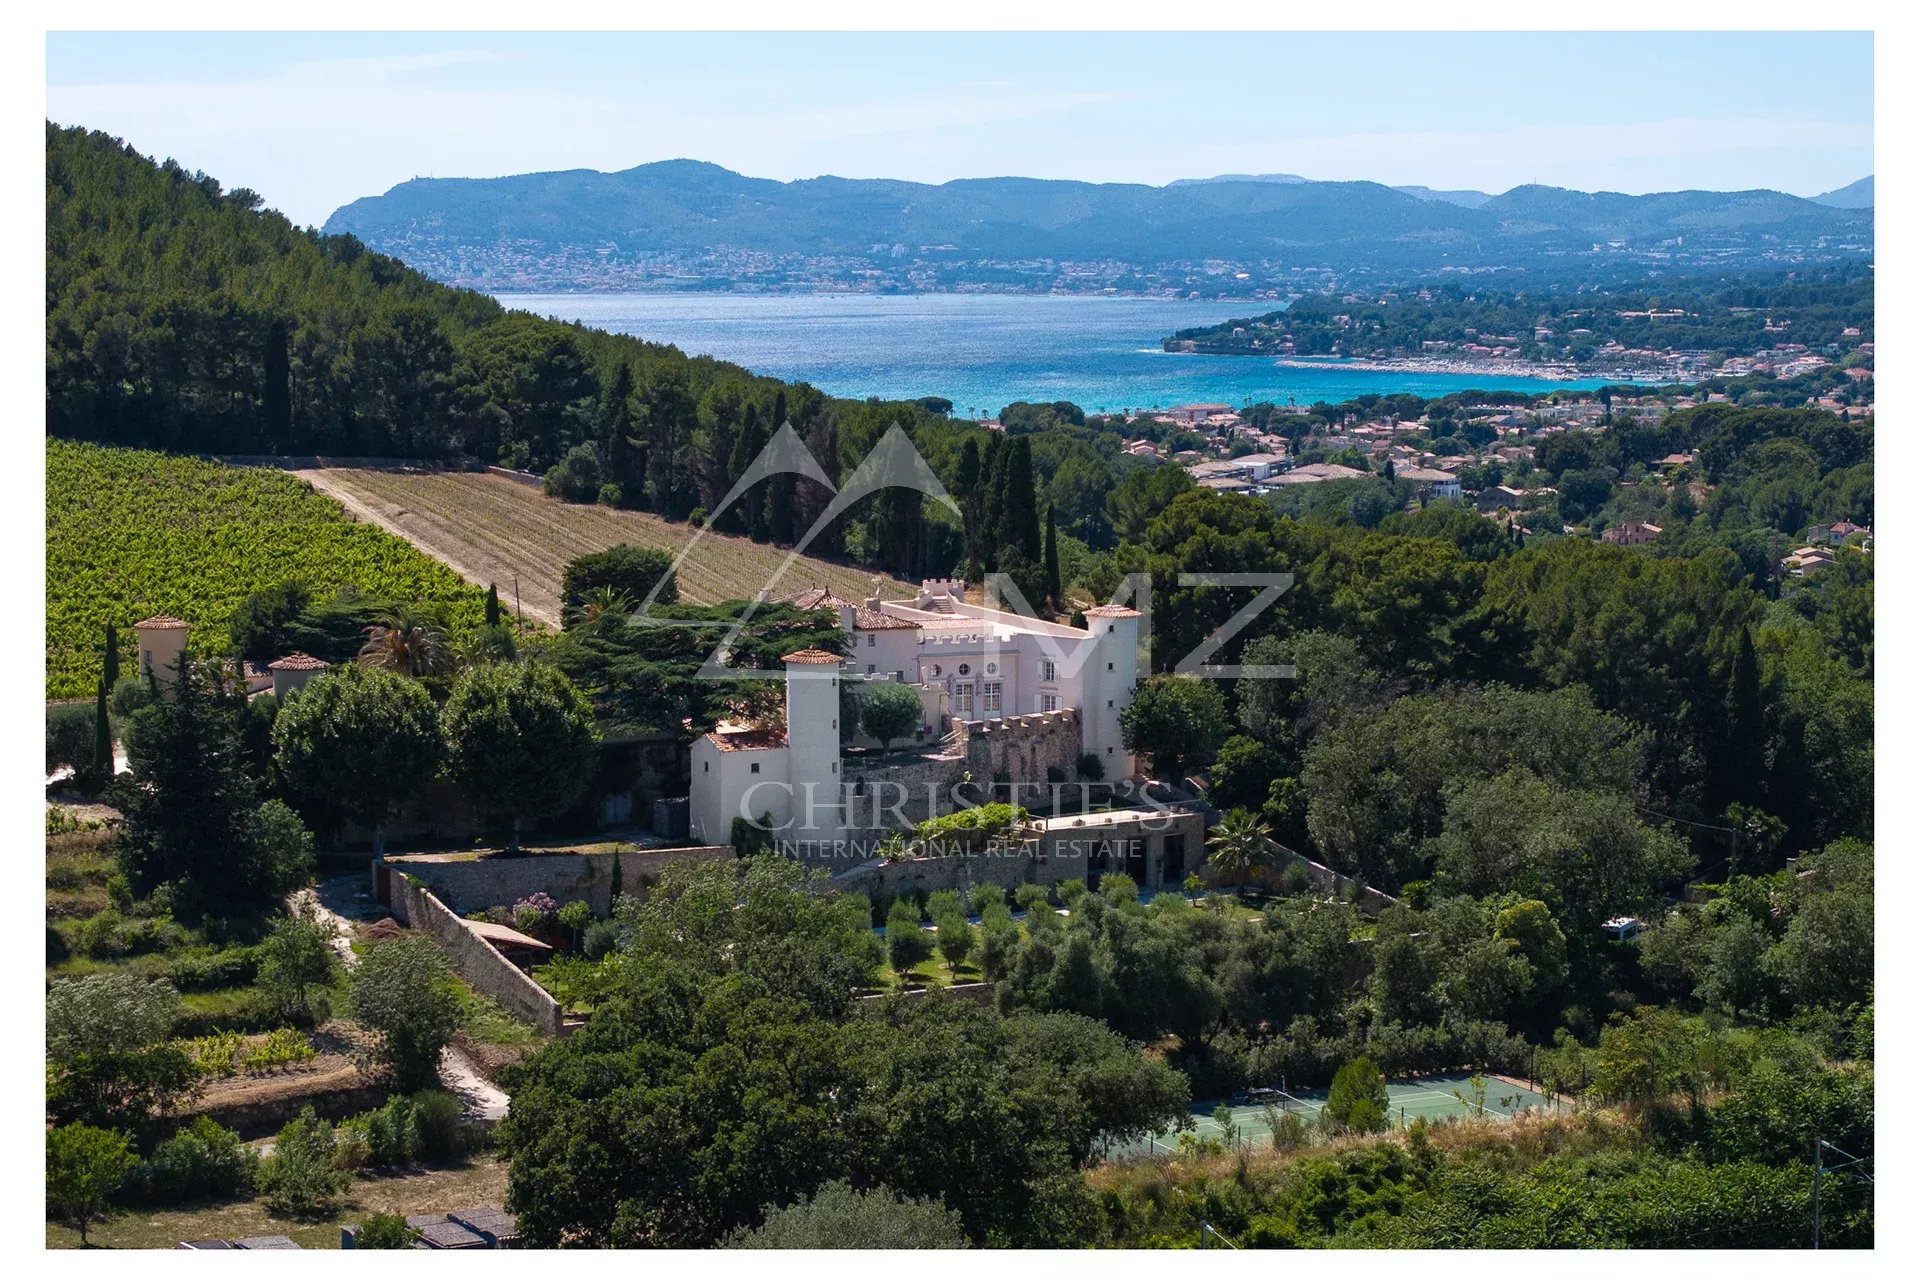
(473, 884)
(473, 957)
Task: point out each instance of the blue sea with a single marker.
(985, 352)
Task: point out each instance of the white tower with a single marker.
(813, 741)
(162, 639)
(1109, 684)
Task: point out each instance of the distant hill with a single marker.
(1240, 177)
(1855, 195)
(1465, 199)
(685, 222)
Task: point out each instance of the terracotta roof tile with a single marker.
(813, 657)
(298, 662)
(160, 622)
(748, 739)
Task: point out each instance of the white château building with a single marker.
(971, 665)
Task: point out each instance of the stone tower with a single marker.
(162, 639)
(813, 741)
(1114, 669)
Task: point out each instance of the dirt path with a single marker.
(340, 900)
(482, 1098)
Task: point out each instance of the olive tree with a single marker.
(404, 992)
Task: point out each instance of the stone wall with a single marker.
(1008, 869)
(1323, 879)
(473, 884)
(1030, 750)
(1023, 749)
(473, 957)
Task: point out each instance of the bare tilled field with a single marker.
(489, 528)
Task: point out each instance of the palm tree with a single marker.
(1238, 847)
(409, 646)
(481, 647)
(605, 602)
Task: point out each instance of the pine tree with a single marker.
(276, 398)
(1051, 562)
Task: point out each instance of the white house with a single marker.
(970, 663)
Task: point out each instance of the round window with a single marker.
(965, 669)
(993, 668)
(936, 668)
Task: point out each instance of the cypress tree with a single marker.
(102, 736)
(110, 660)
(1051, 562)
(780, 487)
(1020, 508)
(493, 605)
(618, 429)
(967, 480)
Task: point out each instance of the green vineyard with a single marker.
(132, 533)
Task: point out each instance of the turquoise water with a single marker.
(984, 352)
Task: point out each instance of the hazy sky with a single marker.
(312, 121)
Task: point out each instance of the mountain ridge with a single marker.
(709, 220)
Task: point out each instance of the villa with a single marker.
(1005, 698)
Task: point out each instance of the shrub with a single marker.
(299, 1179)
(611, 495)
(385, 1231)
(944, 902)
(533, 911)
(576, 477)
(600, 939)
(201, 1162)
(215, 971)
(1030, 898)
(1071, 891)
(440, 1126)
(393, 1132)
(281, 1047)
(352, 1145)
(404, 992)
(85, 1166)
(629, 570)
(217, 1055)
(1358, 1098)
(907, 946)
(297, 966)
(985, 896)
(70, 736)
(838, 1217)
(1118, 888)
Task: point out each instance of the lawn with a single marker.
(483, 1180)
(132, 533)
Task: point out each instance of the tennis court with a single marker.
(1433, 1098)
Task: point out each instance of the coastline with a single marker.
(1472, 368)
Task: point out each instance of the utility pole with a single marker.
(516, 599)
(1817, 1145)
